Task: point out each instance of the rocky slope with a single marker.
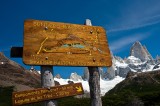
(139, 79)
(13, 74)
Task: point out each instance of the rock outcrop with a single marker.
(58, 76)
(157, 60)
(86, 73)
(140, 60)
(110, 74)
(75, 77)
(141, 52)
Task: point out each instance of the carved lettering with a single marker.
(39, 61)
(25, 97)
(64, 26)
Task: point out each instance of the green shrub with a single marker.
(6, 96)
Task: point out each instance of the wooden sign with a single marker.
(42, 94)
(62, 44)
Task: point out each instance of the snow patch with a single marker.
(134, 60)
(123, 65)
(105, 85)
(39, 72)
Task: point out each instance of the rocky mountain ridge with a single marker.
(139, 60)
(141, 52)
(13, 74)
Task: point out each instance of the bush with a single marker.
(6, 96)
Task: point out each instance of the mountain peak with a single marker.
(58, 76)
(75, 77)
(3, 59)
(141, 52)
(2, 56)
(137, 43)
(1, 53)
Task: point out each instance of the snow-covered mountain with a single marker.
(75, 77)
(140, 60)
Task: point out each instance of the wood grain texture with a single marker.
(43, 94)
(62, 44)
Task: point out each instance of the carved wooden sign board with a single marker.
(42, 94)
(62, 44)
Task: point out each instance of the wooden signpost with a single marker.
(54, 43)
(94, 80)
(42, 94)
(49, 44)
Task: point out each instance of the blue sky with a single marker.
(125, 21)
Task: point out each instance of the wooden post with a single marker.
(94, 81)
(94, 84)
(47, 81)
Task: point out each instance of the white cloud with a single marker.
(136, 14)
(124, 28)
(118, 45)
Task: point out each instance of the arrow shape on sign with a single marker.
(79, 89)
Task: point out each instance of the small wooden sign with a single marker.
(62, 44)
(42, 94)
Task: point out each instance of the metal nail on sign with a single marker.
(42, 94)
(63, 44)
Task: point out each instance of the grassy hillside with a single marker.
(136, 90)
(5, 96)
